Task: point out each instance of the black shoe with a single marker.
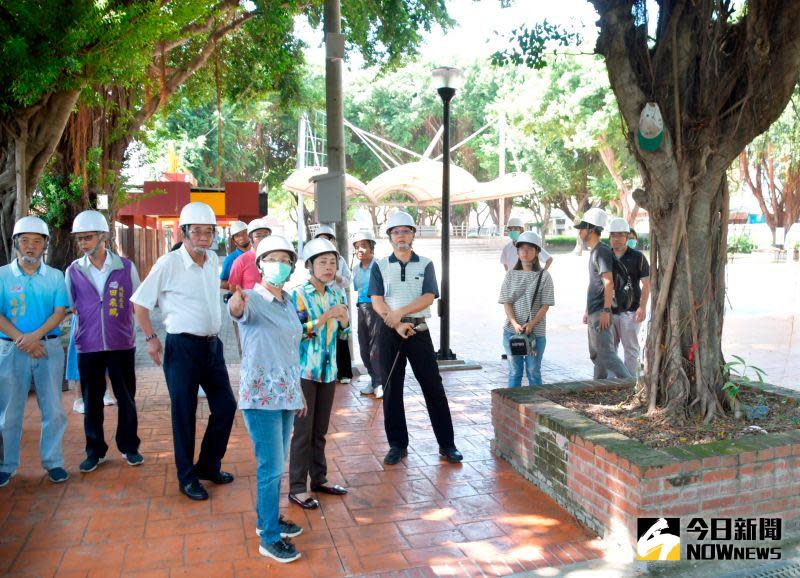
(452, 455)
(90, 464)
(194, 491)
(394, 455)
(219, 478)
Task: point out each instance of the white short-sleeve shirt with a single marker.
(509, 256)
(187, 294)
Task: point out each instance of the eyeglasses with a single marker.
(285, 261)
(85, 238)
(202, 233)
(397, 232)
(328, 237)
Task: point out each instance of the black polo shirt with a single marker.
(638, 268)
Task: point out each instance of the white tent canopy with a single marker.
(422, 181)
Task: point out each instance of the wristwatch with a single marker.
(151, 336)
(606, 309)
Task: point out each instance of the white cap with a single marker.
(257, 224)
(400, 219)
(317, 247)
(595, 217)
(90, 222)
(618, 225)
(197, 214)
(237, 227)
(30, 225)
(530, 238)
(515, 222)
(362, 236)
(275, 243)
(325, 230)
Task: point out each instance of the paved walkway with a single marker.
(420, 518)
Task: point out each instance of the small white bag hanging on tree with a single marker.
(651, 128)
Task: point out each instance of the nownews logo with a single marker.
(660, 539)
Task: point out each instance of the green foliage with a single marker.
(530, 46)
(561, 241)
(736, 375)
(741, 244)
(53, 195)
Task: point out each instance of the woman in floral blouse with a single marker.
(325, 319)
(269, 388)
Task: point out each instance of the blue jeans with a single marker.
(531, 363)
(16, 370)
(270, 431)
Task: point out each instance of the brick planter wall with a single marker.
(607, 480)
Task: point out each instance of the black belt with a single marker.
(413, 320)
(43, 338)
(198, 337)
(363, 305)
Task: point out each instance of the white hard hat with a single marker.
(30, 225)
(317, 247)
(531, 238)
(618, 225)
(595, 216)
(275, 243)
(237, 227)
(362, 236)
(89, 222)
(257, 224)
(400, 219)
(515, 222)
(197, 213)
(325, 230)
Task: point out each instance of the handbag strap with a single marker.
(535, 292)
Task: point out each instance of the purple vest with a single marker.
(104, 322)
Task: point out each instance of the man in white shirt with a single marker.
(185, 286)
(508, 257)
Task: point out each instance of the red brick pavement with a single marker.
(420, 518)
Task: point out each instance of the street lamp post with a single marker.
(447, 79)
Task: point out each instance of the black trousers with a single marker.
(344, 362)
(307, 453)
(369, 326)
(121, 370)
(190, 362)
(417, 349)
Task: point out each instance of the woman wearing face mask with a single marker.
(325, 318)
(508, 257)
(270, 395)
(526, 295)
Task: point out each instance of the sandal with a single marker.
(307, 504)
(334, 490)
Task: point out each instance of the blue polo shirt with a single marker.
(361, 279)
(27, 301)
(227, 264)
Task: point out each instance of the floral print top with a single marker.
(270, 334)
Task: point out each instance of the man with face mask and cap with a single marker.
(270, 395)
(509, 257)
(100, 285)
(403, 287)
(185, 286)
(627, 323)
(33, 302)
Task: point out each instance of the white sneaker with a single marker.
(107, 399)
(378, 392)
(367, 390)
(344, 380)
(77, 406)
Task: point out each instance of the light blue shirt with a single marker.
(227, 264)
(27, 301)
(361, 278)
(270, 334)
